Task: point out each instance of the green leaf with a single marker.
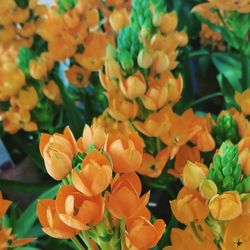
(23, 4)
(27, 248)
(229, 66)
(29, 216)
(23, 59)
(30, 188)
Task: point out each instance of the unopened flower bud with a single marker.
(144, 59)
(207, 189)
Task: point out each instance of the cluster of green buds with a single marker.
(225, 129)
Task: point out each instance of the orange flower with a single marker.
(77, 210)
(58, 152)
(182, 38)
(194, 174)
(156, 124)
(8, 240)
(153, 166)
(182, 129)
(4, 205)
(244, 154)
(95, 174)
(78, 76)
(243, 100)
(51, 222)
(125, 152)
(226, 206)
(94, 53)
(184, 239)
(160, 62)
(38, 69)
(134, 86)
(118, 19)
(16, 119)
(142, 234)
(185, 153)
(189, 206)
(169, 22)
(27, 98)
(94, 135)
(237, 234)
(120, 108)
(124, 201)
(52, 92)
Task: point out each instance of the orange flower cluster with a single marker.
(214, 203)
(142, 97)
(92, 198)
(7, 239)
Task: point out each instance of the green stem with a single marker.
(77, 243)
(122, 234)
(204, 99)
(84, 236)
(194, 229)
(158, 145)
(245, 71)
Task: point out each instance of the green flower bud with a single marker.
(228, 183)
(126, 60)
(226, 129)
(246, 184)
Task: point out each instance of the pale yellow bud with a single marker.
(193, 175)
(144, 59)
(208, 189)
(160, 61)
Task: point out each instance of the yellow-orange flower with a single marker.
(78, 76)
(226, 206)
(77, 210)
(243, 100)
(52, 91)
(185, 153)
(58, 152)
(124, 201)
(244, 155)
(189, 206)
(4, 205)
(169, 22)
(118, 19)
(153, 166)
(194, 174)
(142, 234)
(237, 236)
(125, 152)
(51, 222)
(95, 174)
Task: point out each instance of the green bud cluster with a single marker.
(225, 171)
(225, 129)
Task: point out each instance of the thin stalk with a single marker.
(84, 236)
(204, 99)
(77, 243)
(194, 229)
(122, 234)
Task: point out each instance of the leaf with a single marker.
(23, 59)
(30, 188)
(23, 4)
(27, 248)
(29, 216)
(229, 66)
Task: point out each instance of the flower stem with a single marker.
(122, 234)
(193, 226)
(77, 243)
(84, 236)
(245, 71)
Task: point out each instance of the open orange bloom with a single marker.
(182, 129)
(93, 56)
(58, 152)
(120, 108)
(78, 76)
(77, 210)
(155, 125)
(153, 166)
(189, 206)
(4, 205)
(184, 239)
(8, 240)
(124, 201)
(95, 174)
(94, 135)
(243, 100)
(237, 236)
(142, 234)
(226, 206)
(51, 222)
(125, 152)
(185, 153)
(134, 86)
